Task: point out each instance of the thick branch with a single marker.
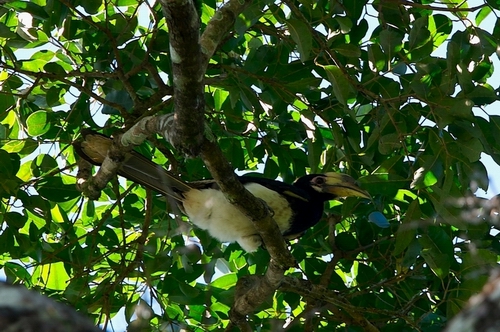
(185, 52)
(187, 132)
(481, 312)
(252, 291)
(28, 311)
(218, 27)
(245, 201)
(183, 23)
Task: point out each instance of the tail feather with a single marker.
(136, 167)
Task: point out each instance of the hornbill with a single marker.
(296, 207)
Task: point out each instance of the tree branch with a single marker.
(92, 186)
(191, 137)
(442, 9)
(252, 291)
(28, 311)
(218, 27)
(480, 314)
(187, 131)
(319, 293)
(185, 51)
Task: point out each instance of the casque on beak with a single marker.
(342, 185)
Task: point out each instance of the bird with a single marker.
(295, 207)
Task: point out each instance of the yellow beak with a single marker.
(342, 185)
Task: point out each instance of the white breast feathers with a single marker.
(210, 210)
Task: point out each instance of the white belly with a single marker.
(210, 210)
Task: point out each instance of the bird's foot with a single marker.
(271, 211)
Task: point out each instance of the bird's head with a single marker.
(335, 184)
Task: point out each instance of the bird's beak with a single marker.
(342, 185)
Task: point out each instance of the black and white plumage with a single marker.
(296, 207)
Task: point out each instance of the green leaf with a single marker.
(38, 123)
(345, 24)
(389, 143)
(91, 6)
(54, 275)
(120, 97)
(383, 183)
(9, 165)
(482, 14)
(220, 96)
(3, 135)
(464, 291)
(29, 7)
(419, 34)
(33, 65)
(341, 86)
(189, 290)
(440, 27)
(54, 95)
(366, 275)
(43, 164)
(477, 263)
(376, 57)
(126, 2)
(451, 109)
(7, 243)
(423, 178)
(346, 241)
(482, 95)
(494, 3)
(6, 102)
(471, 148)
(354, 8)
(23, 147)
(488, 43)
(301, 35)
(314, 152)
(391, 42)
(437, 250)
(348, 50)
(408, 229)
(77, 289)
(226, 281)
(55, 190)
(16, 273)
(482, 71)
(15, 220)
(232, 147)
(5, 32)
(55, 68)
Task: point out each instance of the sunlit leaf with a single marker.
(54, 275)
(38, 123)
(482, 14)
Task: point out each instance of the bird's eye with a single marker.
(319, 180)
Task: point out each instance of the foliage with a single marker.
(391, 92)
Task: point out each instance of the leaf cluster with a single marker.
(395, 93)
